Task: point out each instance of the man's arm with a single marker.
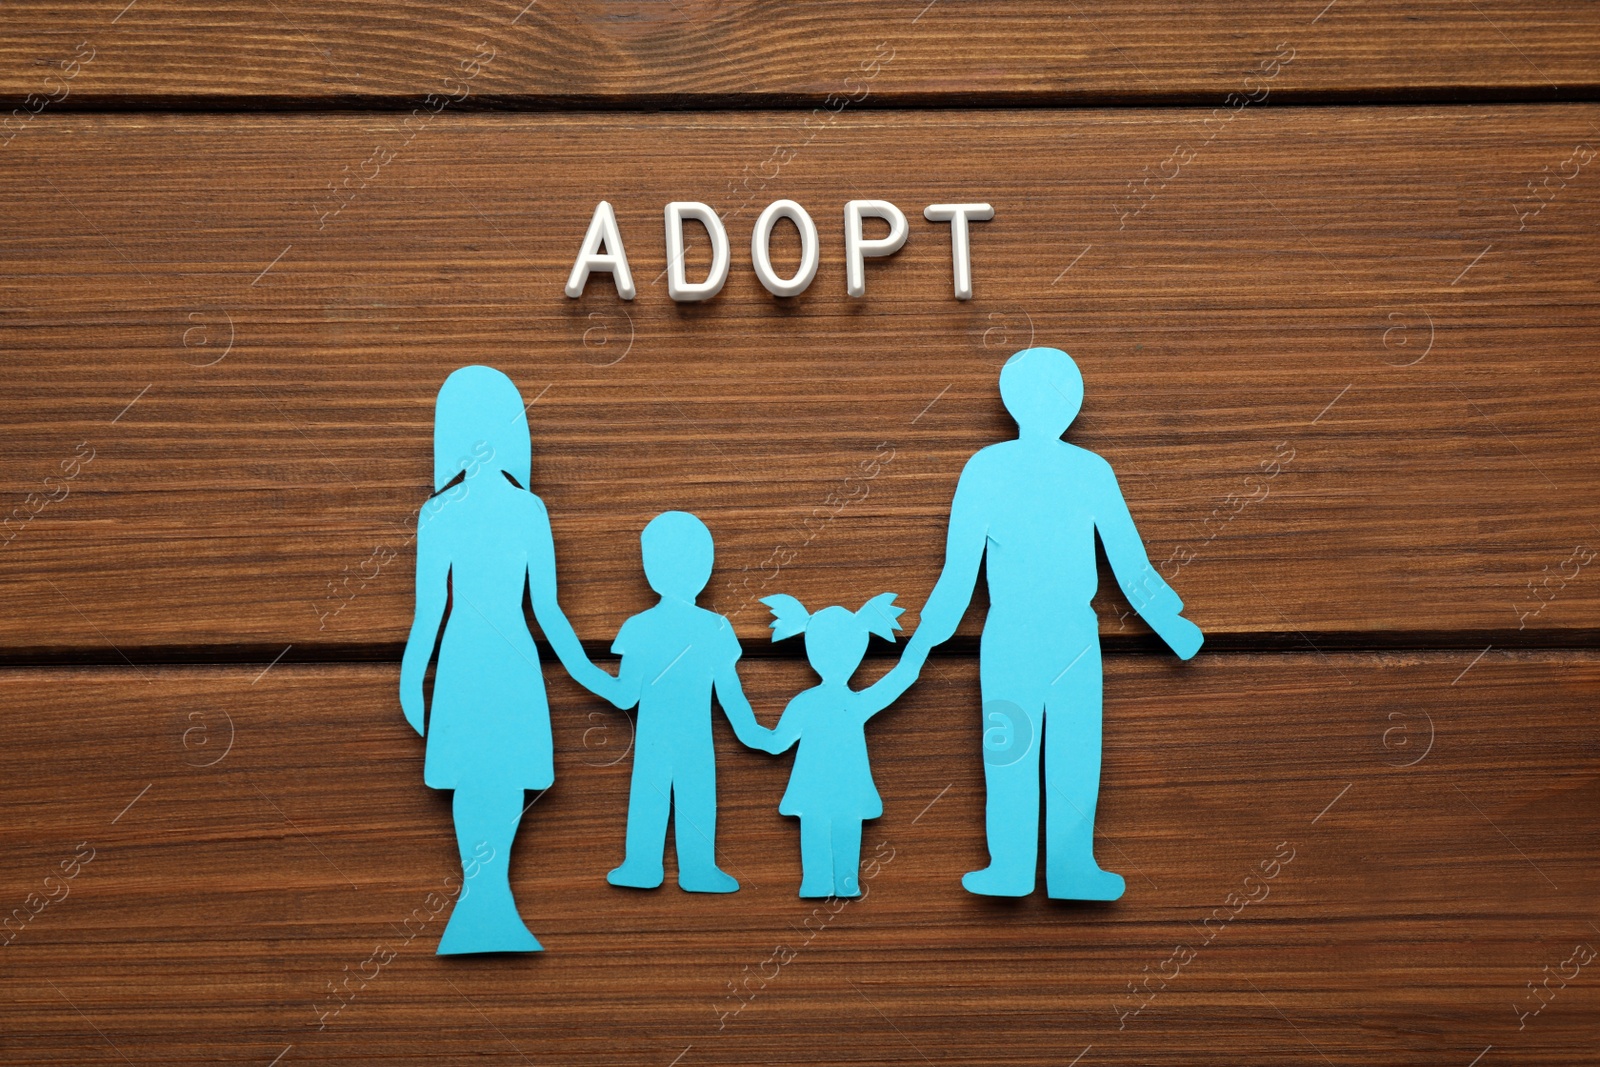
(963, 553)
(1155, 601)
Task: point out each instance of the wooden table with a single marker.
(1330, 273)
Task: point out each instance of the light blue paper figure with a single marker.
(831, 787)
(674, 656)
(1033, 506)
(481, 541)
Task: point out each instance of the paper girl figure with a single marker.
(831, 787)
(481, 540)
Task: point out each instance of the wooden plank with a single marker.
(698, 52)
(1441, 823)
(1367, 290)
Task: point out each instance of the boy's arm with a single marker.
(736, 706)
(1155, 601)
(629, 683)
(552, 620)
(625, 690)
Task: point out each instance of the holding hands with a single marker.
(900, 677)
(767, 741)
(600, 682)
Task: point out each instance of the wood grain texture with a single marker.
(265, 857)
(1365, 291)
(1346, 361)
(698, 52)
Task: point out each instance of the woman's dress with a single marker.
(489, 721)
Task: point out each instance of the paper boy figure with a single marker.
(673, 656)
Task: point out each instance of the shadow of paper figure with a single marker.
(675, 655)
(830, 786)
(482, 540)
(1033, 506)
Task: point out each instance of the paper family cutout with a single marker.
(1031, 507)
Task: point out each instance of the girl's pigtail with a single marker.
(789, 616)
(880, 616)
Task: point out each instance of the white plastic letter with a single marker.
(957, 215)
(761, 248)
(678, 285)
(857, 247)
(602, 230)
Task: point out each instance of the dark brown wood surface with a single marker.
(257, 391)
(1345, 357)
(699, 52)
(259, 836)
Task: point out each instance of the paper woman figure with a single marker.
(481, 540)
(831, 787)
(1033, 506)
(674, 656)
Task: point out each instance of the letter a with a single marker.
(602, 231)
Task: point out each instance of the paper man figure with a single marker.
(1033, 507)
(481, 540)
(831, 787)
(673, 656)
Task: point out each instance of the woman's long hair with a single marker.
(480, 419)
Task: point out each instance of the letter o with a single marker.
(761, 252)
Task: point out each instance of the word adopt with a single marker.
(602, 248)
